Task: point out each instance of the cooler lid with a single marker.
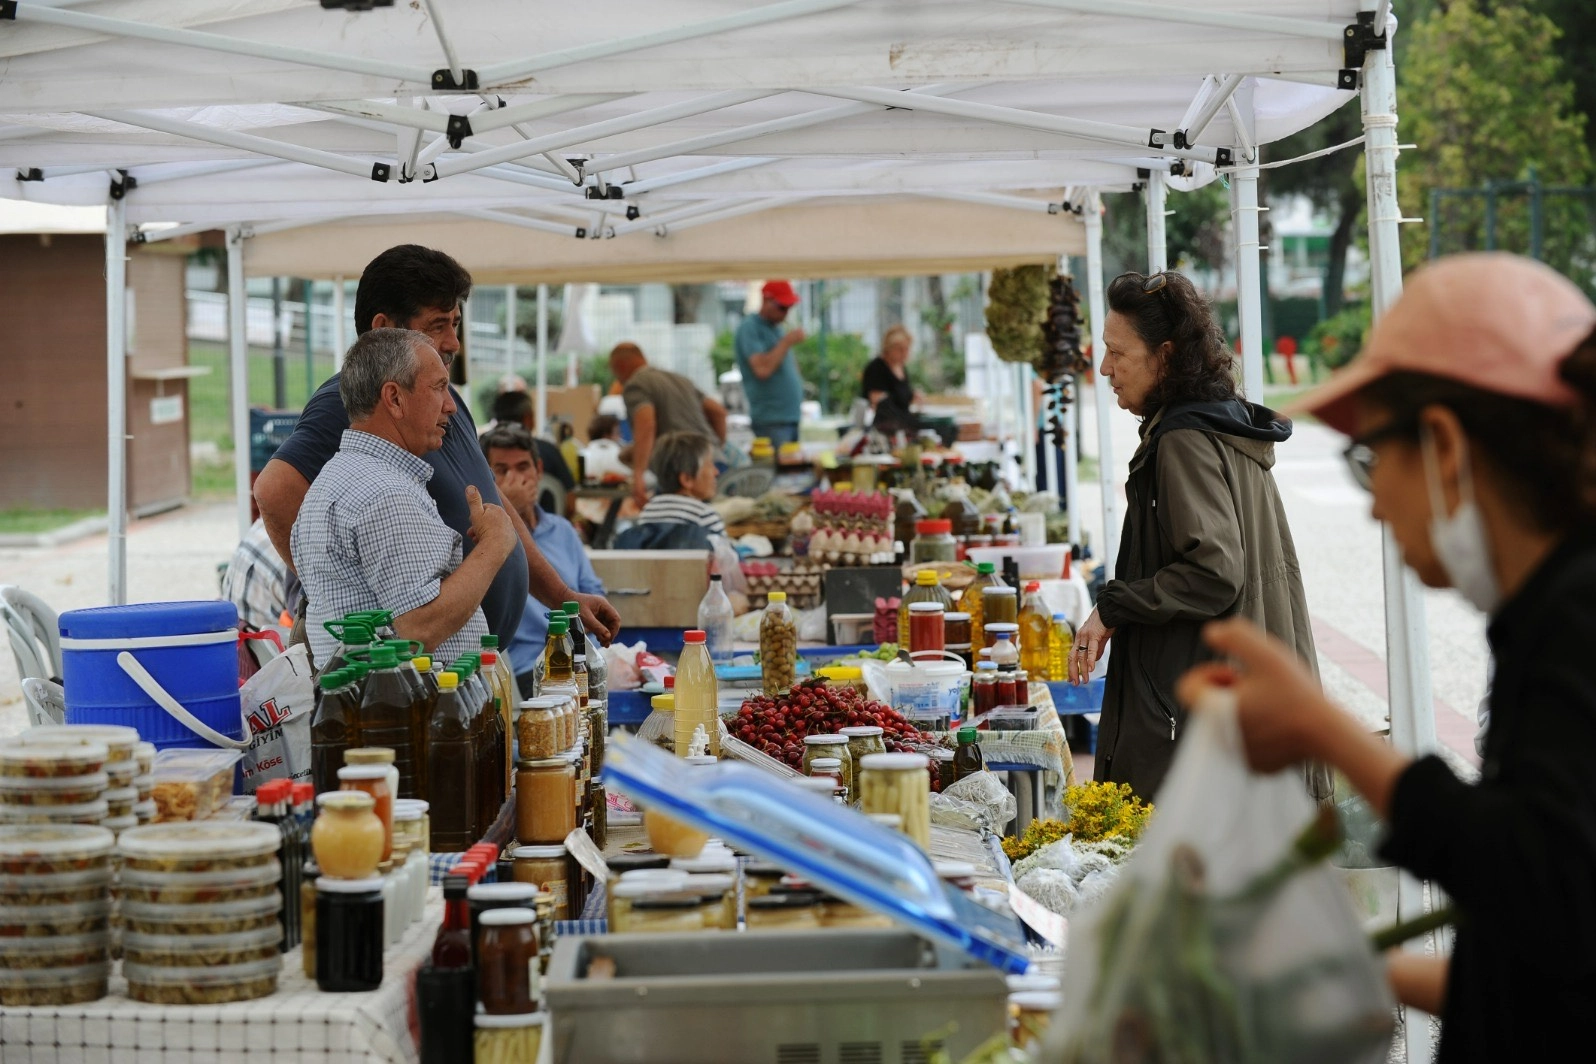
(833, 846)
(142, 619)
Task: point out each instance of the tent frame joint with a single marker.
(457, 130)
(121, 184)
(381, 171)
(31, 173)
(1359, 39)
(443, 80)
(8, 10)
(607, 192)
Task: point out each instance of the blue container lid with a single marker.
(149, 619)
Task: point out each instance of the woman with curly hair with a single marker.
(1205, 533)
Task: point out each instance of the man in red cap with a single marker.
(770, 374)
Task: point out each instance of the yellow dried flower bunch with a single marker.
(1098, 811)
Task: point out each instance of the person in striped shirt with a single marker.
(683, 464)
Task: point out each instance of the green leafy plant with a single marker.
(1016, 305)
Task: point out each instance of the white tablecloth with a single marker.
(298, 1023)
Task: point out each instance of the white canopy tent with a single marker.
(262, 115)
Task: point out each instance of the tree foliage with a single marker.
(1194, 234)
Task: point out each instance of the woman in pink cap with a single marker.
(1472, 412)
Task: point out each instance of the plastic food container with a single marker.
(60, 951)
(53, 790)
(63, 888)
(122, 773)
(121, 741)
(41, 849)
(144, 757)
(201, 888)
(1012, 718)
(53, 986)
(145, 811)
(1036, 563)
(222, 918)
(77, 813)
(201, 951)
(36, 921)
(192, 784)
(202, 986)
(200, 847)
(52, 759)
(120, 824)
(121, 800)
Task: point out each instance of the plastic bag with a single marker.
(1226, 937)
(978, 802)
(278, 703)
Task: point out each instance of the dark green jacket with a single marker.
(1205, 536)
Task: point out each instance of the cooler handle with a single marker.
(152, 687)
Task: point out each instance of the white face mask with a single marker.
(1459, 541)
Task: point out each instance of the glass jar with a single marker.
(933, 542)
(537, 728)
(927, 588)
(635, 885)
(508, 979)
(943, 774)
(598, 802)
(984, 688)
(598, 728)
(507, 1039)
(348, 839)
(863, 740)
(783, 912)
(717, 899)
(488, 897)
(546, 868)
(564, 696)
(834, 912)
(545, 803)
(830, 746)
(426, 819)
(1001, 604)
(307, 917)
(927, 629)
(372, 779)
(759, 877)
(778, 645)
(622, 863)
(899, 783)
(1007, 687)
(349, 934)
(957, 633)
(829, 768)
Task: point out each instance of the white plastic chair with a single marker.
(34, 630)
(46, 701)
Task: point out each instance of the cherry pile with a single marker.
(777, 726)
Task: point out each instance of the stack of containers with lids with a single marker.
(144, 809)
(70, 774)
(200, 911)
(55, 908)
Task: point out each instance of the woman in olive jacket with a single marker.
(1205, 533)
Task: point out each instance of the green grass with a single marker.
(1086, 468)
(31, 522)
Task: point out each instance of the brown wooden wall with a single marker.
(52, 434)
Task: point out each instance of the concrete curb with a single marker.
(77, 530)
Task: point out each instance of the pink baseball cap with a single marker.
(1498, 322)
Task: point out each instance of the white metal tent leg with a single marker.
(543, 359)
(510, 313)
(238, 365)
(1097, 309)
(116, 393)
(1156, 193)
(1025, 429)
(339, 337)
(1249, 285)
(1072, 461)
(1406, 638)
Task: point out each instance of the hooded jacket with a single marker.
(1205, 537)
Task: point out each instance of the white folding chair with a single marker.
(34, 630)
(46, 701)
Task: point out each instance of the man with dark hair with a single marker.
(418, 288)
(516, 469)
(515, 407)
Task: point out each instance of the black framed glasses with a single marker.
(1360, 454)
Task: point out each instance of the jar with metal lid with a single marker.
(537, 728)
(507, 1039)
(927, 628)
(717, 893)
(486, 897)
(598, 727)
(1001, 604)
(899, 783)
(375, 781)
(863, 740)
(598, 804)
(933, 542)
(759, 877)
(349, 934)
(835, 912)
(508, 977)
(957, 632)
(547, 868)
(545, 800)
(830, 746)
(424, 808)
(984, 688)
(943, 773)
(657, 912)
(830, 768)
(643, 883)
(783, 912)
(568, 696)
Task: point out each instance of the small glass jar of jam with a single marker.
(1007, 688)
(1022, 688)
(984, 688)
(546, 868)
(489, 897)
(1000, 604)
(784, 912)
(927, 628)
(508, 978)
(349, 934)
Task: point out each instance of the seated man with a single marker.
(368, 536)
(517, 469)
(517, 408)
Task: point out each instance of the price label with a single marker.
(1038, 917)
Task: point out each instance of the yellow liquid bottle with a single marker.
(970, 602)
(1058, 648)
(1036, 631)
(697, 695)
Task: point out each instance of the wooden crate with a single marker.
(654, 588)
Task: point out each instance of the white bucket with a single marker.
(927, 687)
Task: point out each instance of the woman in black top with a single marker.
(885, 383)
(1473, 416)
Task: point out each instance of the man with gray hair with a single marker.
(368, 536)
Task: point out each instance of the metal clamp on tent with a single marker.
(445, 81)
(1357, 41)
(32, 173)
(381, 171)
(457, 130)
(122, 183)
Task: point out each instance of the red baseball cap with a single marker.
(780, 293)
(1498, 322)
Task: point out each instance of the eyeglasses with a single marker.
(1360, 455)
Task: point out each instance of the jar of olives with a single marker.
(818, 746)
(778, 646)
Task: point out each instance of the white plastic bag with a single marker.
(1227, 937)
(278, 703)
(978, 802)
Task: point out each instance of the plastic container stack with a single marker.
(70, 774)
(55, 911)
(200, 912)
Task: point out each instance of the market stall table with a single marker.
(298, 1022)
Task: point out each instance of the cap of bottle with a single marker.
(985, 568)
(304, 793)
(670, 683)
(332, 680)
(384, 658)
(558, 625)
(694, 636)
(422, 662)
(969, 735)
(926, 578)
(490, 642)
(1060, 617)
(572, 607)
(1034, 585)
(448, 681)
(714, 578)
(777, 596)
(490, 658)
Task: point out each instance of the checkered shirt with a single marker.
(369, 537)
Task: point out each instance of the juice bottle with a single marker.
(452, 761)
(1036, 631)
(557, 652)
(334, 728)
(385, 715)
(697, 694)
(1058, 648)
(503, 706)
(970, 601)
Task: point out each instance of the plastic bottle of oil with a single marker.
(1058, 648)
(503, 707)
(450, 758)
(697, 695)
(1036, 631)
(334, 728)
(557, 652)
(385, 715)
(970, 601)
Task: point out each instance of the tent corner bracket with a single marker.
(1359, 39)
(1347, 79)
(8, 10)
(122, 184)
(30, 173)
(1156, 138)
(381, 171)
(458, 129)
(444, 80)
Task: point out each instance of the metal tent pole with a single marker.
(1072, 460)
(1025, 430)
(116, 391)
(238, 364)
(543, 359)
(1249, 283)
(511, 312)
(1156, 193)
(340, 338)
(1097, 309)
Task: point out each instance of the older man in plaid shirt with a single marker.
(368, 536)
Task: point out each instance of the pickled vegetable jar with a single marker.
(901, 784)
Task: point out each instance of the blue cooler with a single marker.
(169, 669)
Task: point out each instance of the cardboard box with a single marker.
(576, 405)
(654, 588)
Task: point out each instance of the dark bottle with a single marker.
(334, 728)
(271, 807)
(452, 762)
(349, 932)
(452, 947)
(406, 650)
(484, 809)
(385, 716)
(354, 642)
(446, 1004)
(967, 759)
(557, 651)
